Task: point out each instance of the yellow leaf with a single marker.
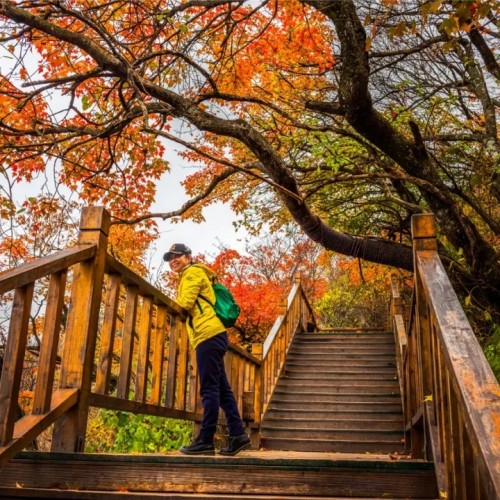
(443, 494)
(428, 398)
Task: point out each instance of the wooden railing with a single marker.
(296, 314)
(113, 310)
(451, 397)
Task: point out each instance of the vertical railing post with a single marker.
(257, 351)
(81, 330)
(423, 227)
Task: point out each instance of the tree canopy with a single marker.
(345, 116)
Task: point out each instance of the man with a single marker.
(208, 336)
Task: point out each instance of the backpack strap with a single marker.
(205, 299)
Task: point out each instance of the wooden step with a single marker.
(342, 371)
(311, 421)
(342, 346)
(333, 376)
(339, 404)
(339, 446)
(287, 413)
(339, 387)
(324, 432)
(249, 475)
(344, 337)
(336, 399)
(340, 351)
(333, 390)
(372, 364)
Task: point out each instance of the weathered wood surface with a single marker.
(252, 473)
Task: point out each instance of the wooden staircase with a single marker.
(339, 392)
(326, 406)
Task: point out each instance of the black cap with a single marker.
(177, 249)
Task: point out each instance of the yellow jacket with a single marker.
(203, 323)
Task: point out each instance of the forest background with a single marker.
(323, 124)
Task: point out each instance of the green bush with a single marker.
(122, 432)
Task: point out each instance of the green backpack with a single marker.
(225, 306)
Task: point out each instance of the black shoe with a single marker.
(199, 447)
(235, 444)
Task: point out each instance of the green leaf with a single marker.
(85, 103)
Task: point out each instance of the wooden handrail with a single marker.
(296, 315)
(29, 272)
(451, 396)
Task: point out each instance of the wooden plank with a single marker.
(30, 426)
(247, 369)
(182, 369)
(13, 360)
(50, 338)
(192, 383)
(241, 381)
(258, 390)
(144, 332)
(175, 328)
(26, 273)
(456, 445)
(108, 329)
(158, 348)
(127, 350)
(235, 383)
(467, 466)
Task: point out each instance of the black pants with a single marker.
(215, 390)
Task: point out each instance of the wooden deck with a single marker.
(260, 473)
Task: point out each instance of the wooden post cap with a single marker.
(423, 226)
(95, 218)
(257, 350)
